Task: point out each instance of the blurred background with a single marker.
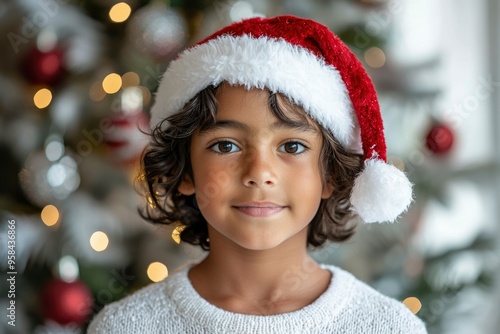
(77, 80)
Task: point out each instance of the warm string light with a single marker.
(120, 12)
(375, 57)
(50, 215)
(413, 304)
(96, 92)
(112, 83)
(42, 98)
(146, 95)
(99, 241)
(130, 79)
(157, 271)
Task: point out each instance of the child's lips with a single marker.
(259, 209)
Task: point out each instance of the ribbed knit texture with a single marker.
(174, 306)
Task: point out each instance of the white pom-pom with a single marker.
(381, 192)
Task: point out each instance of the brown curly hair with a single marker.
(166, 163)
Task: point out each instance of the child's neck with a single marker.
(275, 281)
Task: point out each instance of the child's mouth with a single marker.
(259, 209)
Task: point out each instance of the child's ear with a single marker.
(327, 191)
(187, 186)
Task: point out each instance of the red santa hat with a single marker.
(306, 62)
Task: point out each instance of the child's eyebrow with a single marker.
(295, 125)
(224, 125)
(281, 124)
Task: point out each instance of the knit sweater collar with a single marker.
(216, 320)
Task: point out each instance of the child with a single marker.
(267, 137)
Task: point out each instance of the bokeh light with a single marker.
(157, 271)
(146, 95)
(96, 92)
(50, 215)
(99, 241)
(131, 99)
(413, 304)
(68, 268)
(120, 12)
(241, 10)
(112, 83)
(54, 150)
(130, 79)
(375, 57)
(42, 98)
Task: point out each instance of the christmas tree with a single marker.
(77, 81)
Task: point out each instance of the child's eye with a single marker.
(224, 147)
(292, 147)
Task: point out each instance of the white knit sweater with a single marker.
(174, 306)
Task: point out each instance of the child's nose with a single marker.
(258, 170)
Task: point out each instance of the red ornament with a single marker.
(440, 139)
(44, 68)
(66, 302)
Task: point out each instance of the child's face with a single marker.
(257, 179)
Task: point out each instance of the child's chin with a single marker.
(260, 245)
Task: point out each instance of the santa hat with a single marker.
(306, 62)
